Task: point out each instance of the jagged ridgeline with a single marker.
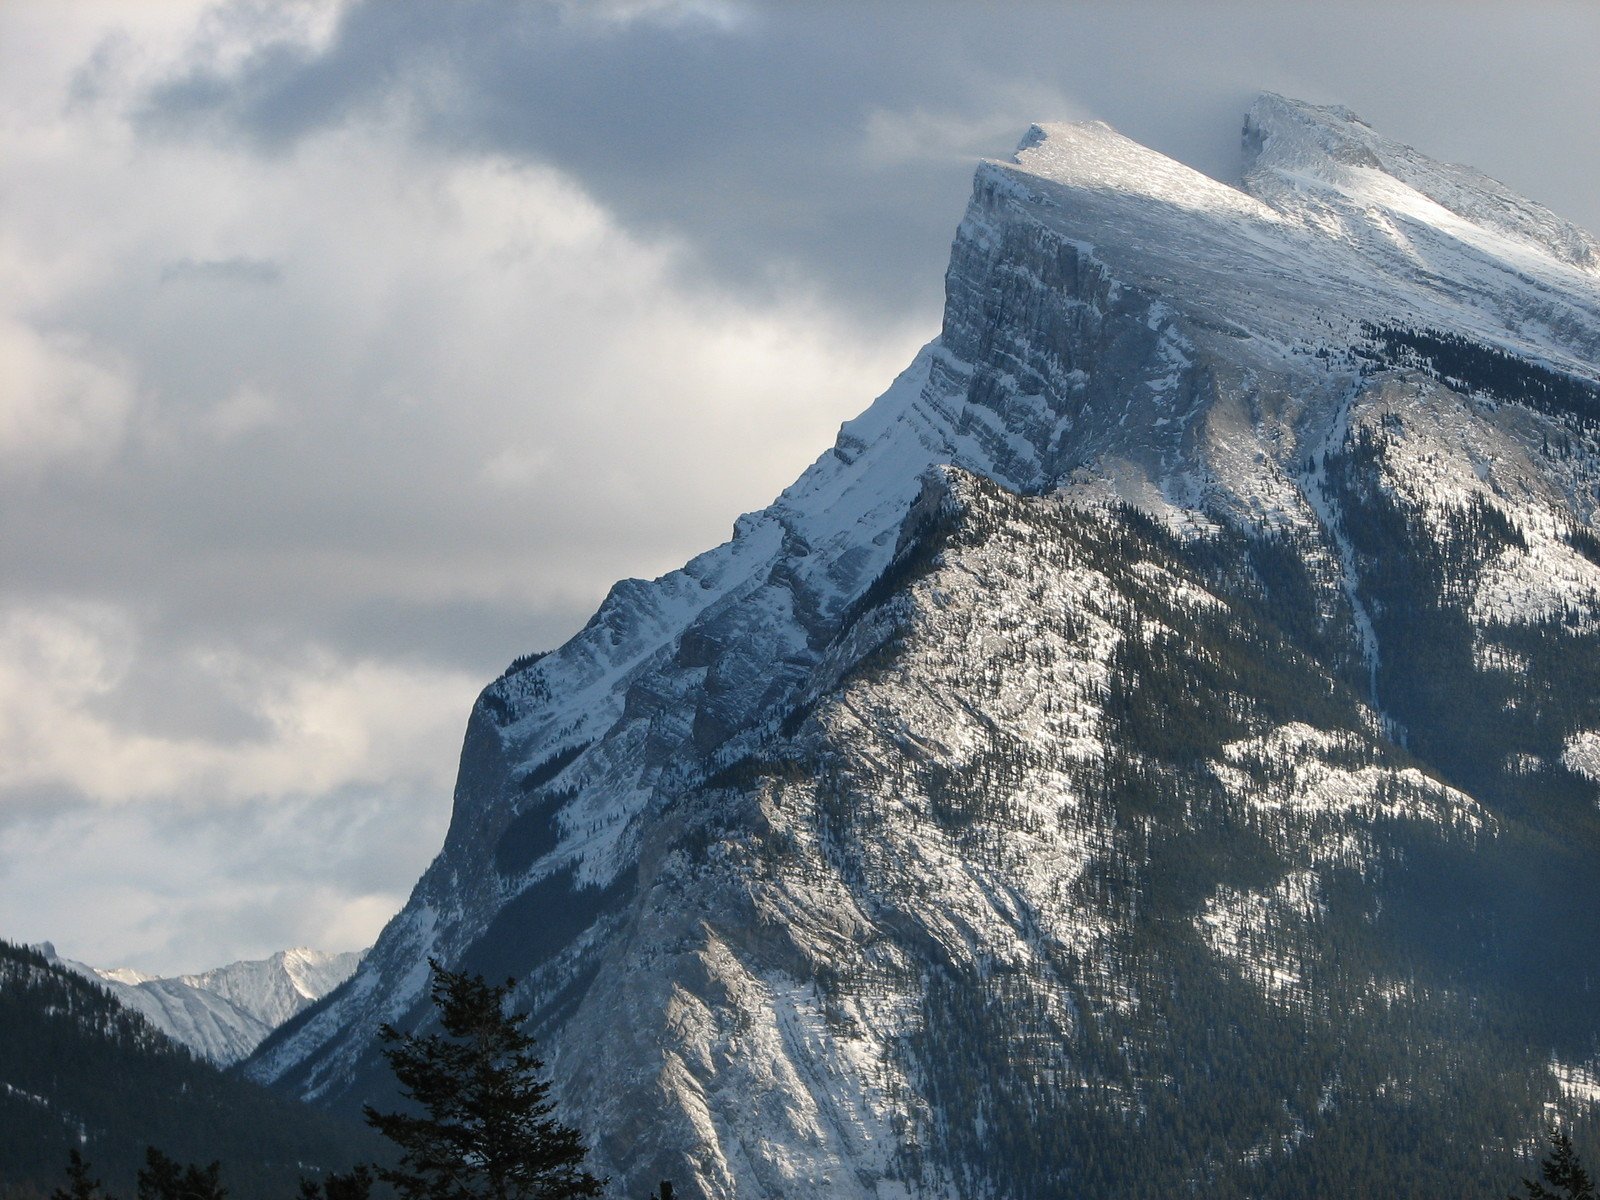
(78, 1069)
(1154, 751)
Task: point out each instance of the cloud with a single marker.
(59, 399)
(367, 430)
(86, 705)
(240, 270)
(830, 144)
(352, 349)
(314, 444)
(178, 887)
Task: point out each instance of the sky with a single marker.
(350, 350)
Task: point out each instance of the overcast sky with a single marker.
(347, 352)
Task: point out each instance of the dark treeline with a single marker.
(1469, 365)
(81, 1070)
(477, 1121)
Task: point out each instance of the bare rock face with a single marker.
(1152, 750)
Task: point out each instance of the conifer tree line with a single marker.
(1462, 362)
(481, 1126)
(490, 1133)
(484, 1127)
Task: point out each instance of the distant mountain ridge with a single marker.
(79, 1069)
(224, 1014)
(1151, 752)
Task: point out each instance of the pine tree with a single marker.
(163, 1178)
(485, 1130)
(355, 1184)
(1562, 1171)
(79, 1184)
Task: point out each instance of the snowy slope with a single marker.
(1082, 701)
(274, 989)
(223, 1014)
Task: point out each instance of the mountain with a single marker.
(79, 1069)
(274, 989)
(223, 1014)
(1154, 750)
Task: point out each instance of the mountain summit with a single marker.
(224, 1013)
(1153, 750)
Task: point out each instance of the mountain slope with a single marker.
(223, 1014)
(1139, 755)
(77, 1068)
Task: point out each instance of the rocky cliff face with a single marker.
(1150, 750)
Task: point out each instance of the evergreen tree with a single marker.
(80, 1186)
(485, 1130)
(163, 1178)
(355, 1184)
(1562, 1171)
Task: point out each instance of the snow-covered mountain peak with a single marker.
(223, 1013)
(1297, 153)
(1292, 136)
(315, 973)
(1334, 227)
(274, 989)
(1093, 155)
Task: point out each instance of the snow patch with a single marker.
(1581, 754)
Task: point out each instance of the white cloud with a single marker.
(720, 14)
(272, 407)
(895, 137)
(326, 392)
(56, 401)
(326, 723)
(172, 890)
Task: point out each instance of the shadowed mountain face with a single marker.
(1154, 749)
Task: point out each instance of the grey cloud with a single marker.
(166, 694)
(195, 884)
(473, 634)
(280, 543)
(37, 806)
(98, 75)
(277, 862)
(360, 838)
(305, 476)
(741, 138)
(259, 272)
(747, 138)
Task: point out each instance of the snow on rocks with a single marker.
(225, 1013)
(737, 833)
